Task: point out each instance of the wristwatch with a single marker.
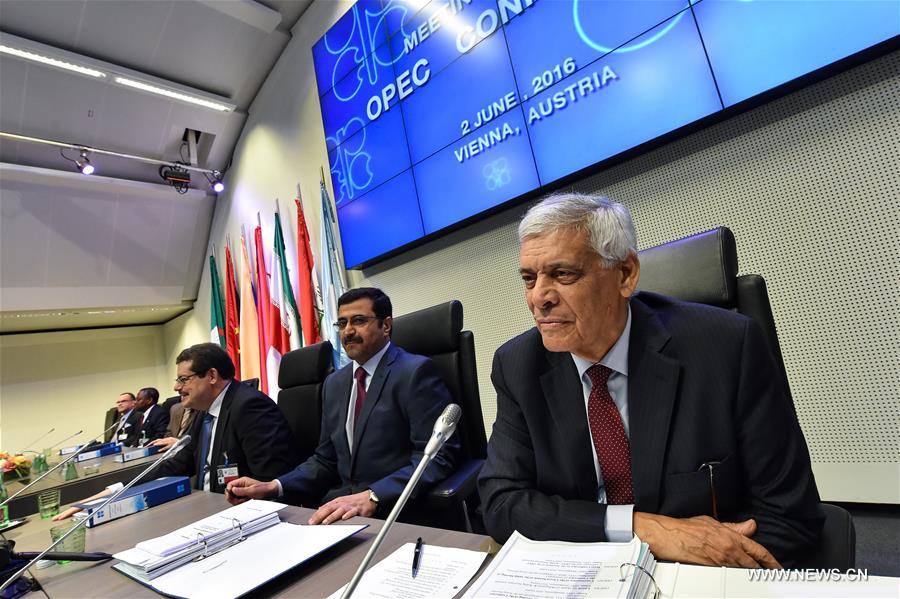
(373, 497)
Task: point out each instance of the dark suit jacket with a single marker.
(403, 401)
(250, 429)
(702, 386)
(155, 424)
(131, 429)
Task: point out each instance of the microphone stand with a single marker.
(430, 451)
(172, 451)
(61, 464)
(38, 439)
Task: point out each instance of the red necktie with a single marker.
(610, 441)
(360, 393)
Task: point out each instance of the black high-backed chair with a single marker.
(300, 378)
(437, 332)
(703, 268)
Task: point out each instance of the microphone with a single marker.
(57, 467)
(179, 445)
(58, 443)
(38, 439)
(444, 428)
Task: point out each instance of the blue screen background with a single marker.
(434, 158)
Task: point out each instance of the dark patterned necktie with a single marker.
(610, 441)
(360, 394)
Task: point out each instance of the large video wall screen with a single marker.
(437, 111)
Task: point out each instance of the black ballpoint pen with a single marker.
(417, 557)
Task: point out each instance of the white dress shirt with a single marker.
(369, 367)
(618, 517)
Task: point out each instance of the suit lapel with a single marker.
(373, 394)
(652, 385)
(565, 402)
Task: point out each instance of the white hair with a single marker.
(607, 223)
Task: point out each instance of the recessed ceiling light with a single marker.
(153, 89)
(51, 61)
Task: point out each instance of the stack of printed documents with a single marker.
(154, 557)
(548, 569)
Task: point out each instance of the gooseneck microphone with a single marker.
(443, 430)
(36, 440)
(55, 468)
(179, 445)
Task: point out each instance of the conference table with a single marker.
(94, 475)
(318, 577)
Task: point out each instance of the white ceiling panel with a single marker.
(24, 235)
(138, 253)
(58, 101)
(96, 241)
(133, 122)
(212, 65)
(108, 249)
(56, 22)
(12, 93)
(109, 32)
(82, 231)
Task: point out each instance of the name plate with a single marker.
(136, 454)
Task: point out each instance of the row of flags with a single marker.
(258, 319)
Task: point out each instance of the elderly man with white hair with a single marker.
(626, 413)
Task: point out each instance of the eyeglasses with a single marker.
(355, 322)
(180, 381)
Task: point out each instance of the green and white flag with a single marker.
(217, 307)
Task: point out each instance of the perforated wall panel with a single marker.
(810, 185)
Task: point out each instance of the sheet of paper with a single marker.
(550, 569)
(252, 562)
(443, 572)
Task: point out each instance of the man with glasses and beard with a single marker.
(378, 414)
(237, 431)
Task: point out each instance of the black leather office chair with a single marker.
(703, 268)
(437, 332)
(252, 383)
(300, 378)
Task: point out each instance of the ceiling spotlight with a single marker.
(217, 185)
(84, 164)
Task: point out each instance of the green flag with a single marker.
(217, 308)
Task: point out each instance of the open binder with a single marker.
(526, 568)
(227, 554)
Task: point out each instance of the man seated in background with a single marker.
(154, 420)
(237, 431)
(625, 413)
(378, 414)
(180, 420)
(128, 430)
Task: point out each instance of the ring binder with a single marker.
(656, 591)
(202, 541)
(240, 527)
